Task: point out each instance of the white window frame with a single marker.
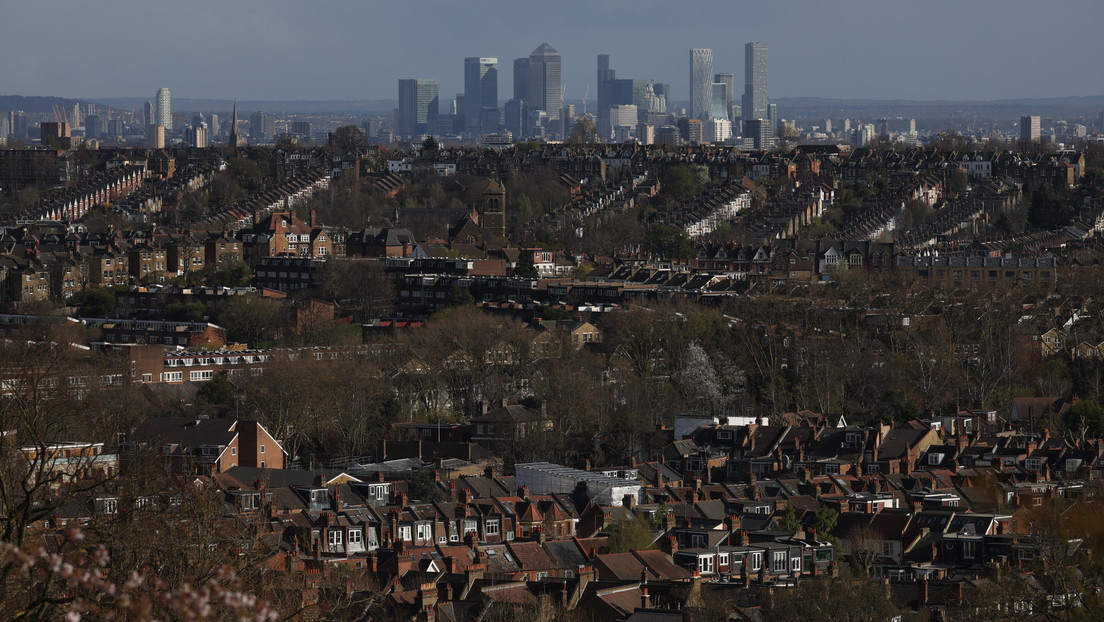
(779, 561)
(705, 563)
(335, 538)
(492, 527)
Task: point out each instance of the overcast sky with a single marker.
(358, 49)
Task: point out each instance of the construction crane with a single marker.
(587, 92)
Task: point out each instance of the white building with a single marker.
(717, 130)
(543, 478)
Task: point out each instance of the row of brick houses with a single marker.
(953, 499)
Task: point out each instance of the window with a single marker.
(492, 527)
(722, 559)
(205, 374)
(335, 538)
(756, 561)
(779, 561)
(831, 469)
(424, 532)
(233, 451)
(262, 449)
(969, 549)
(404, 533)
(705, 564)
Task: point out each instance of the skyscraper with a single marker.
(719, 101)
(544, 80)
(1030, 128)
(418, 107)
(730, 81)
(755, 81)
(480, 91)
(701, 80)
(521, 79)
(148, 118)
(605, 78)
(164, 109)
(262, 127)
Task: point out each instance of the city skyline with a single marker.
(250, 50)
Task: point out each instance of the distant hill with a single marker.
(790, 107)
(35, 104)
(247, 107)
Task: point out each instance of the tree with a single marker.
(1083, 420)
(864, 546)
(526, 268)
(364, 283)
(95, 302)
(218, 391)
(1049, 207)
(234, 275)
(788, 520)
(681, 183)
(833, 600)
(251, 319)
(630, 534)
(670, 242)
(423, 487)
(583, 133)
(349, 138)
(429, 145)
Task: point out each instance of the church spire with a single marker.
(233, 141)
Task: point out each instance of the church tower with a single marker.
(494, 209)
(234, 140)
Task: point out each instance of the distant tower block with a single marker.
(494, 208)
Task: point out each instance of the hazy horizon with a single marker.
(354, 51)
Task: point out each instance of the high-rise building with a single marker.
(716, 130)
(157, 136)
(148, 116)
(759, 131)
(418, 107)
(517, 118)
(196, 136)
(213, 126)
(262, 127)
(701, 79)
(729, 80)
(912, 127)
(719, 101)
(755, 81)
(521, 78)
(544, 80)
(17, 123)
(164, 109)
(623, 115)
(772, 117)
(301, 129)
(93, 126)
(605, 78)
(1031, 128)
(480, 91)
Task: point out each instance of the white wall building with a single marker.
(543, 478)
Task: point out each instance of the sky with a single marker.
(359, 49)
